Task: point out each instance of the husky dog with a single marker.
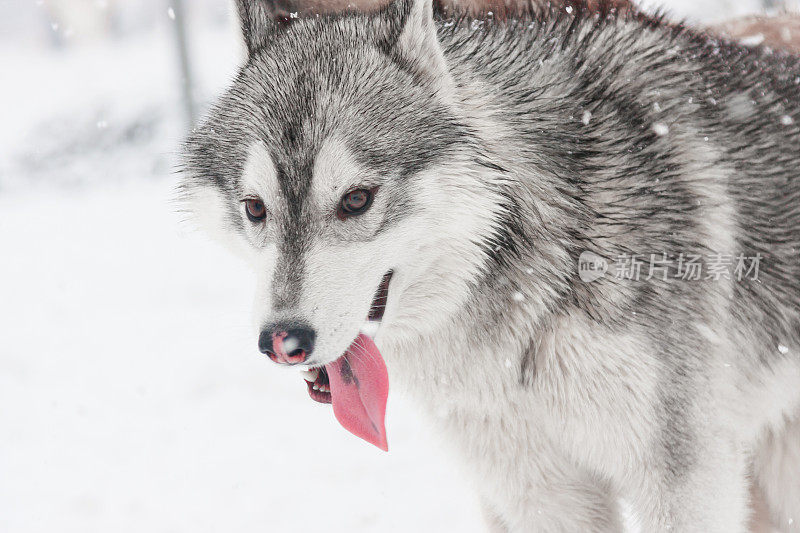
(468, 185)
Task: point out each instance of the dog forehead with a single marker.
(335, 167)
(259, 173)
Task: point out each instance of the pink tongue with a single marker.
(359, 390)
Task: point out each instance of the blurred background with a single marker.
(132, 396)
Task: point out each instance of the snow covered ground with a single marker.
(132, 397)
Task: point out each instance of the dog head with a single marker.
(339, 164)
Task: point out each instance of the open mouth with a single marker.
(319, 384)
(317, 379)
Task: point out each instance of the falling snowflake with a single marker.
(752, 40)
(171, 13)
(660, 129)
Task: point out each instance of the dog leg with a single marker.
(760, 519)
(707, 493)
(565, 507)
(776, 465)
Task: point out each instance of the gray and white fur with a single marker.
(500, 152)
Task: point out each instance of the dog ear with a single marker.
(410, 32)
(407, 21)
(260, 19)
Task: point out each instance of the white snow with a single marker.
(134, 397)
(752, 40)
(660, 129)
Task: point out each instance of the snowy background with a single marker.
(132, 396)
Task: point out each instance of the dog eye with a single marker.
(355, 203)
(255, 209)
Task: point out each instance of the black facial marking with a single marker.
(347, 373)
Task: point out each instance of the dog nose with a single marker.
(287, 344)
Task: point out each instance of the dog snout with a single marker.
(287, 344)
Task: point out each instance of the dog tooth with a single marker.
(315, 386)
(310, 375)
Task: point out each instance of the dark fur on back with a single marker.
(631, 72)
